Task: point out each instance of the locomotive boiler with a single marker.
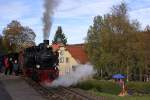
(40, 62)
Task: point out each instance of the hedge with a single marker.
(134, 88)
(138, 87)
(101, 86)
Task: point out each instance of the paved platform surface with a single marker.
(4, 95)
(15, 88)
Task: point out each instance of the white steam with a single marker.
(82, 72)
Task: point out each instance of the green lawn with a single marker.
(115, 97)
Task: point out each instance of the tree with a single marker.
(1, 45)
(59, 37)
(93, 43)
(17, 36)
(3, 49)
(147, 28)
(144, 55)
(110, 41)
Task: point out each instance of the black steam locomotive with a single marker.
(40, 62)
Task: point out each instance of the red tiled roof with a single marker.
(55, 46)
(78, 52)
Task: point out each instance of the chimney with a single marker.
(46, 42)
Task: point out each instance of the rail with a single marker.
(60, 93)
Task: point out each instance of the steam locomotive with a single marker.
(40, 62)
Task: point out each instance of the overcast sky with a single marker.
(75, 16)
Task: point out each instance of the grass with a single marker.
(115, 97)
(110, 90)
(139, 87)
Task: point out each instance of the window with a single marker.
(61, 59)
(61, 52)
(67, 60)
(73, 68)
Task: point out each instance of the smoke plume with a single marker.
(49, 6)
(82, 72)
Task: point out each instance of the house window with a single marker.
(61, 52)
(61, 60)
(67, 60)
(73, 68)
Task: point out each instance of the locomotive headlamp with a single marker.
(48, 46)
(38, 66)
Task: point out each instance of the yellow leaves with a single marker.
(13, 31)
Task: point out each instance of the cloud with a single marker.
(75, 16)
(26, 12)
(13, 10)
(141, 15)
(77, 9)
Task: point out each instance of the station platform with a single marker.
(15, 88)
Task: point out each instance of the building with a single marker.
(70, 56)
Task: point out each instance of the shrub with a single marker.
(100, 86)
(138, 87)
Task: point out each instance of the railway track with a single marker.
(71, 94)
(61, 93)
(80, 95)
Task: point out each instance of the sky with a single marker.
(74, 16)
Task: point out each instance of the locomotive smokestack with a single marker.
(46, 42)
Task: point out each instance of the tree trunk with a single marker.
(140, 73)
(101, 73)
(127, 73)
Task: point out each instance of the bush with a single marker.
(101, 86)
(138, 87)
